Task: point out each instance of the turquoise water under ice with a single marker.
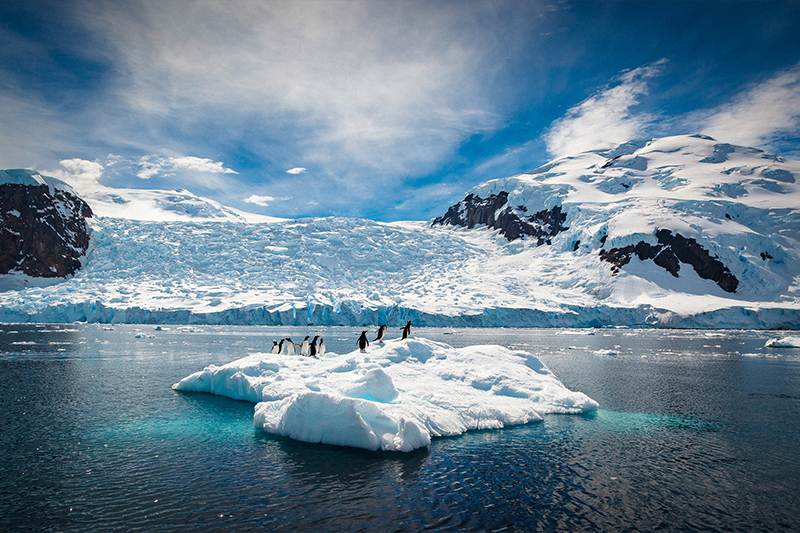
(698, 431)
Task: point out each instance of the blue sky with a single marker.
(383, 110)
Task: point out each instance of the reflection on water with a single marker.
(696, 432)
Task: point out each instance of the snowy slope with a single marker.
(140, 204)
(167, 206)
(739, 205)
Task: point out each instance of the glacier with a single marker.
(394, 397)
(212, 266)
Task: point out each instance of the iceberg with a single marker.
(785, 342)
(395, 397)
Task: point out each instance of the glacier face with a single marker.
(739, 205)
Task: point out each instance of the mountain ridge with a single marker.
(676, 232)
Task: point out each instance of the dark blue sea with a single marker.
(698, 431)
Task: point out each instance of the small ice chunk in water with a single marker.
(785, 342)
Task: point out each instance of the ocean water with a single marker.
(697, 431)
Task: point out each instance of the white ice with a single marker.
(394, 397)
(199, 263)
(785, 342)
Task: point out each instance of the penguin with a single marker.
(275, 347)
(289, 346)
(304, 347)
(406, 330)
(321, 347)
(280, 346)
(313, 347)
(381, 332)
(362, 341)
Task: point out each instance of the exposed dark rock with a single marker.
(668, 261)
(43, 230)
(669, 253)
(512, 222)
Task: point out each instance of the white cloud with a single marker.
(151, 166)
(82, 175)
(354, 86)
(296, 170)
(605, 118)
(759, 115)
(199, 164)
(263, 201)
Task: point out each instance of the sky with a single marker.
(387, 110)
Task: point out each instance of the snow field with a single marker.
(394, 397)
(741, 204)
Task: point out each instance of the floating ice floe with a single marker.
(786, 342)
(395, 397)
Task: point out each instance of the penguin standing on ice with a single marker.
(280, 346)
(406, 330)
(275, 348)
(313, 347)
(304, 347)
(362, 341)
(381, 332)
(321, 347)
(289, 346)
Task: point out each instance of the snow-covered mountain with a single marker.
(167, 206)
(690, 205)
(676, 232)
(43, 229)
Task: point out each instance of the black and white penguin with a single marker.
(406, 330)
(289, 346)
(313, 347)
(280, 346)
(304, 346)
(321, 347)
(275, 348)
(381, 332)
(362, 341)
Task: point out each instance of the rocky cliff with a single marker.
(43, 229)
(669, 253)
(511, 220)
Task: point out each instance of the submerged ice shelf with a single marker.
(394, 397)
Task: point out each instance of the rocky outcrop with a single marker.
(513, 222)
(670, 251)
(43, 230)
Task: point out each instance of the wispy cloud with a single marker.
(85, 175)
(199, 164)
(605, 118)
(355, 86)
(151, 166)
(758, 116)
(296, 170)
